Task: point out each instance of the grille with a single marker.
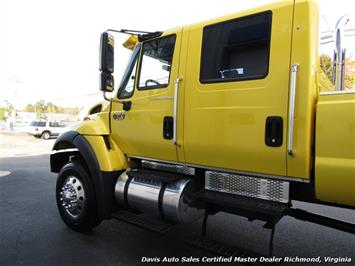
(175, 168)
(262, 188)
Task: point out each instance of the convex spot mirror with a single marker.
(107, 43)
(106, 82)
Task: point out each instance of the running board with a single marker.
(142, 222)
(252, 208)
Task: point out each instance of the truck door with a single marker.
(143, 125)
(236, 91)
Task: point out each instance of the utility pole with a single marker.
(18, 83)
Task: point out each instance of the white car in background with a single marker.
(45, 129)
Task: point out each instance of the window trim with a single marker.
(119, 92)
(140, 65)
(252, 77)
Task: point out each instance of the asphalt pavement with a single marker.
(19, 144)
(32, 233)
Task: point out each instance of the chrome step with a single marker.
(251, 208)
(154, 175)
(142, 222)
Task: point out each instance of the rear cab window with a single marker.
(237, 49)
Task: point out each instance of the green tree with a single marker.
(349, 73)
(30, 108)
(2, 113)
(50, 108)
(326, 65)
(40, 108)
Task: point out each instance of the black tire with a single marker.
(87, 217)
(46, 135)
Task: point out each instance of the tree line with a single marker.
(326, 64)
(41, 108)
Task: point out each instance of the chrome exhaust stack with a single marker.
(169, 201)
(339, 53)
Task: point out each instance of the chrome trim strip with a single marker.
(174, 168)
(176, 96)
(295, 179)
(291, 111)
(337, 92)
(249, 186)
(162, 98)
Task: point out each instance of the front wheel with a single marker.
(75, 197)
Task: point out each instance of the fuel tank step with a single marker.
(251, 208)
(154, 175)
(142, 222)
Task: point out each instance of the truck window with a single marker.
(237, 49)
(126, 87)
(157, 57)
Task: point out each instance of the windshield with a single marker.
(127, 83)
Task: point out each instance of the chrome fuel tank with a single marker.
(168, 201)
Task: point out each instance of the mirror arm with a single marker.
(111, 99)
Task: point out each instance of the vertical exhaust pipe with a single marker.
(339, 53)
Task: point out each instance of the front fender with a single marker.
(98, 125)
(103, 163)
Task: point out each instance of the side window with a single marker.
(126, 87)
(41, 124)
(237, 49)
(56, 124)
(157, 57)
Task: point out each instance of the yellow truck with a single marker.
(223, 115)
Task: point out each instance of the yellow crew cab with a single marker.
(222, 115)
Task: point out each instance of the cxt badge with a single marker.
(119, 116)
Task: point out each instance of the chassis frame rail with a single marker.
(322, 220)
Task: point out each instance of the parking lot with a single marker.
(19, 143)
(32, 233)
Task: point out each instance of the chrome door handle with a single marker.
(176, 98)
(291, 109)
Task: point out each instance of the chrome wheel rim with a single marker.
(72, 196)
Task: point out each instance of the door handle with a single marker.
(168, 126)
(273, 131)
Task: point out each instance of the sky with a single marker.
(49, 49)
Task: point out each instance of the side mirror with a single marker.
(106, 82)
(107, 45)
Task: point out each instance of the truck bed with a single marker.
(335, 148)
